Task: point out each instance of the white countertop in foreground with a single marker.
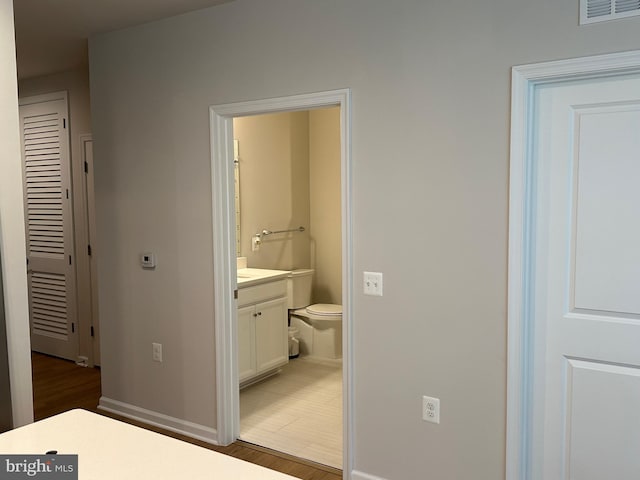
(248, 277)
(111, 449)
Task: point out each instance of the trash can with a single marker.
(294, 342)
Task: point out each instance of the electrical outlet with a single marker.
(255, 243)
(373, 283)
(157, 352)
(431, 409)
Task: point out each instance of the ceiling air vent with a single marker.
(592, 11)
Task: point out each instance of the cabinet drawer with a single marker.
(264, 291)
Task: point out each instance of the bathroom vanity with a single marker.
(262, 323)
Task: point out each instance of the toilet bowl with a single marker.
(320, 324)
(320, 327)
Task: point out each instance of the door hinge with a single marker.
(73, 327)
(86, 167)
(69, 259)
(27, 261)
(64, 123)
(92, 330)
(235, 294)
(89, 250)
(67, 193)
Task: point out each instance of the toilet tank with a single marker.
(299, 285)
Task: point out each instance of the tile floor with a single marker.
(298, 411)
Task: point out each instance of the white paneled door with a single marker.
(48, 216)
(585, 386)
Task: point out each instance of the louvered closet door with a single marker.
(52, 300)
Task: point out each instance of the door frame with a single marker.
(91, 330)
(75, 337)
(224, 253)
(522, 208)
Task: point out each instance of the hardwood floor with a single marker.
(60, 385)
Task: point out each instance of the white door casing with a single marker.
(88, 190)
(574, 308)
(44, 133)
(222, 166)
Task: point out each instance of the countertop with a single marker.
(110, 449)
(248, 277)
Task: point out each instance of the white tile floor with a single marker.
(298, 411)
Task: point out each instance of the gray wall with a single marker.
(274, 187)
(431, 91)
(290, 176)
(325, 229)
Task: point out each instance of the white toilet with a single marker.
(320, 324)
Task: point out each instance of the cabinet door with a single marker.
(272, 350)
(246, 343)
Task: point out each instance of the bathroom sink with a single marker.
(255, 276)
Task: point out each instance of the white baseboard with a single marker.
(183, 427)
(357, 475)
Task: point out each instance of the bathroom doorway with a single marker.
(287, 180)
(291, 252)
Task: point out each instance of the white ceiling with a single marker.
(51, 35)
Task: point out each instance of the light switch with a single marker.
(373, 283)
(157, 352)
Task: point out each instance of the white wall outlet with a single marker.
(373, 283)
(255, 243)
(431, 409)
(157, 352)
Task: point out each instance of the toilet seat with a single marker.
(325, 309)
(320, 311)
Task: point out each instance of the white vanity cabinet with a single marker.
(246, 343)
(262, 329)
